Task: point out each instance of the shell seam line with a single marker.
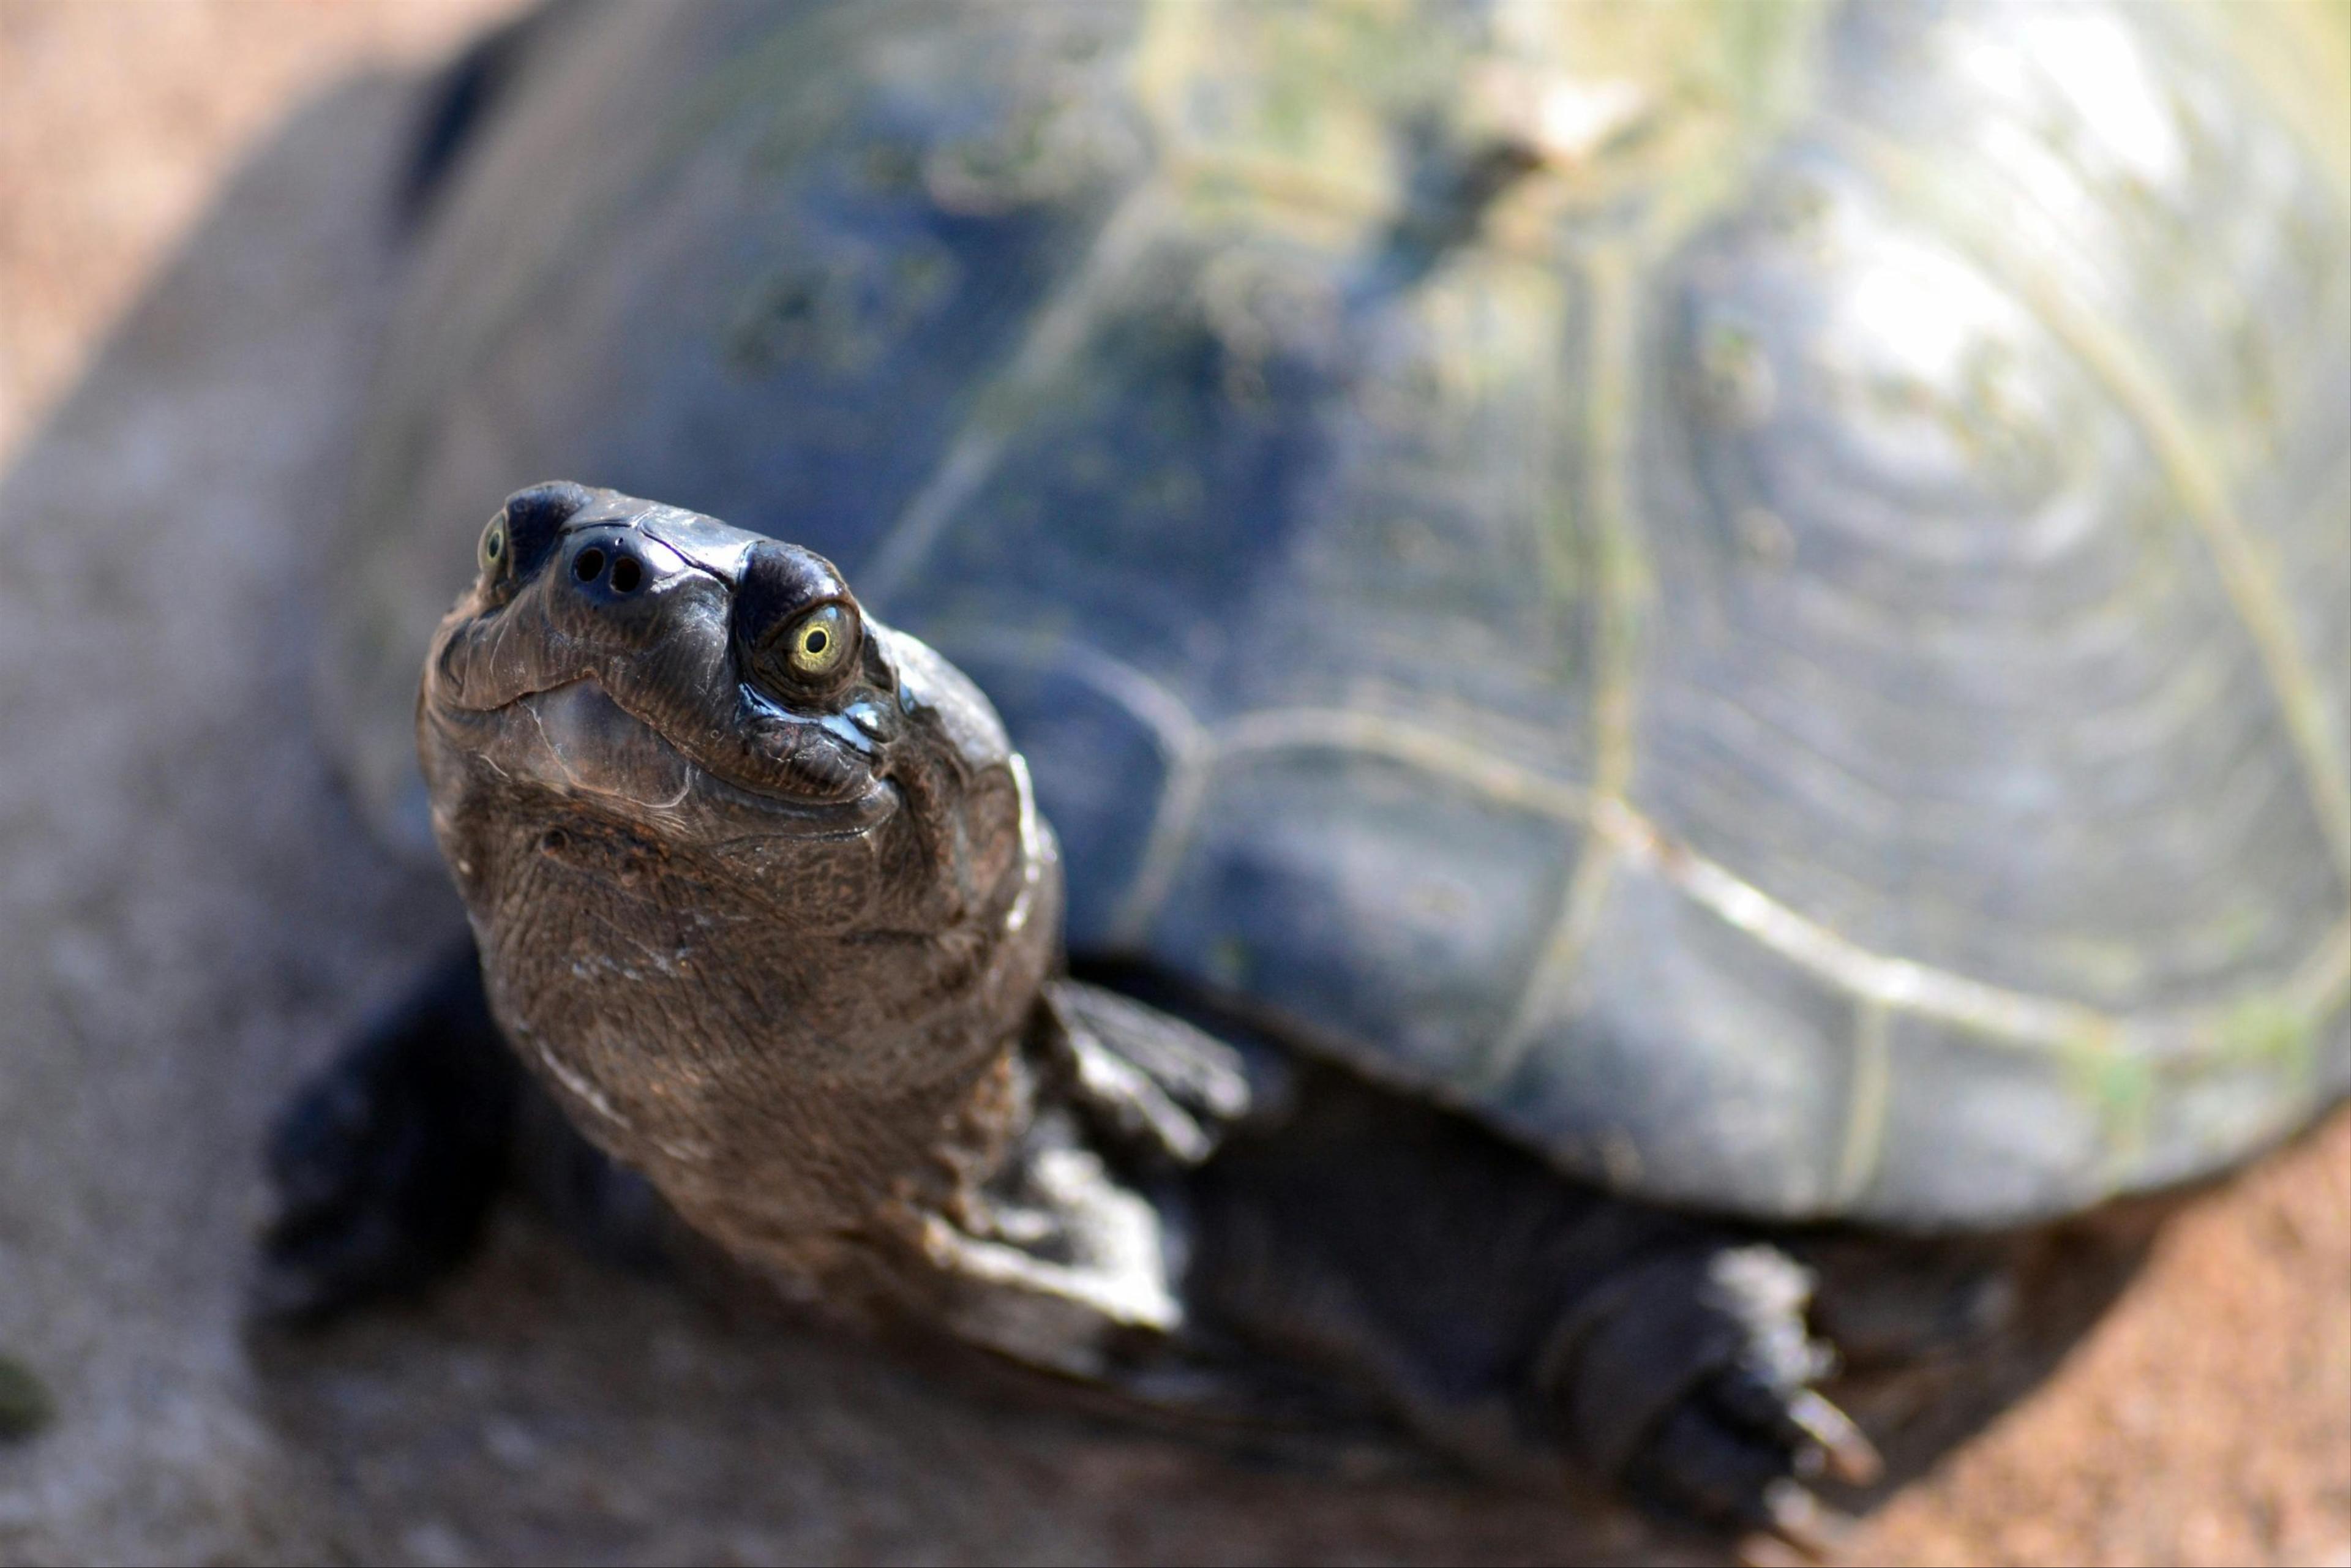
(1185, 749)
(1163, 854)
(1055, 336)
(1996, 1014)
(1870, 1066)
(1613, 552)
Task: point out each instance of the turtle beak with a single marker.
(604, 588)
(607, 666)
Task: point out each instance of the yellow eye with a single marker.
(819, 642)
(493, 545)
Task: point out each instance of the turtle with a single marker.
(1399, 709)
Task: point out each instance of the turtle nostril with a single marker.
(589, 564)
(626, 574)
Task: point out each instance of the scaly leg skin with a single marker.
(1519, 1321)
(383, 1166)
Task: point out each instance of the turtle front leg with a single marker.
(1065, 1258)
(384, 1165)
(1071, 1259)
(1161, 1092)
(1527, 1324)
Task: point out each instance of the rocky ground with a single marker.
(189, 275)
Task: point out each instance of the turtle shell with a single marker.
(1758, 596)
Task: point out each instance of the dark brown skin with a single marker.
(774, 956)
(762, 902)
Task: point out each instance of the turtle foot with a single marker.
(1157, 1088)
(382, 1169)
(1689, 1379)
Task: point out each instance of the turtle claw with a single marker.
(1792, 1514)
(1793, 1527)
(1846, 1452)
(1710, 1465)
(1822, 1439)
(1690, 1379)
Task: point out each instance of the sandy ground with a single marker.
(188, 281)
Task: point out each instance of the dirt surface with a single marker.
(190, 272)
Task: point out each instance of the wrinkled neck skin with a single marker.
(778, 955)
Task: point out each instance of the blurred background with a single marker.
(192, 267)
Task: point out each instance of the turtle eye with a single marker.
(495, 546)
(807, 654)
(797, 629)
(818, 644)
(524, 532)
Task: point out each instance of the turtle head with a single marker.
(725, 839)
(623, 665)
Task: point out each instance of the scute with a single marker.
(1374, 899)
(1996, 673)
(1969, 1127)
(1683, 1060)
(1795, 658)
